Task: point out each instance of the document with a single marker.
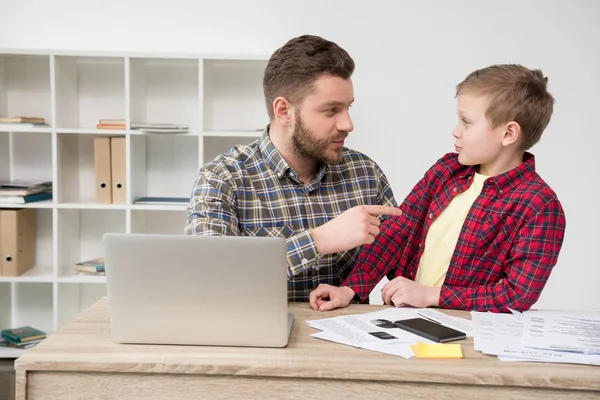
(577, 332)
(504, 335)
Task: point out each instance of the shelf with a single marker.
(75, 278)
(25, 86)
(220, 98)
(37, 204)
(10, 352)
(102, 132)
(165, 91)
(89, 89)
(233, 95)
(162, 166)
(90, 206)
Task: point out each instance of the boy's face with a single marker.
(476, 142)
(322, 122)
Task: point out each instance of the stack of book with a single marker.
(159, 128)
(21, 192)
(91, 267)
(21, 338)
(7, 123)
(115, 124)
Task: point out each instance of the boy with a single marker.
(482, 230)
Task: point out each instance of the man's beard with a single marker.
(306, 145)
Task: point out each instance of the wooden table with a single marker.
(81, 362)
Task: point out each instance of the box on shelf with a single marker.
(17, 243)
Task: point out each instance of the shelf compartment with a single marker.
(80, 237)
(163, 166)
(25, 86)
(165, 91)
(89, 89)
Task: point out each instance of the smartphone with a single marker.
(430, 330)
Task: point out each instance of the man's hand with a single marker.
(401, 291)
(354, 227)
(326, 297)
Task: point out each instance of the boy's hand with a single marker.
(354, 227)
(326, 297)
(401, 291)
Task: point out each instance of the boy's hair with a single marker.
(293, 68)
(516, 94)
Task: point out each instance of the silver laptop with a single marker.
(197, 290)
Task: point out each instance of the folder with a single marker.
(437, 350)
(119, 176)
(102, 170)
(18, 241)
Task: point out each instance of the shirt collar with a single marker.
(505, 182)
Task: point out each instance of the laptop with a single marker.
(197, 290)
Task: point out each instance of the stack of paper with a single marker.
(159, 128)
(542, 336)
(375, 331)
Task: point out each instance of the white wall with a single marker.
(409, 55)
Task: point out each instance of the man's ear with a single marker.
(282, 109)
(512, 133)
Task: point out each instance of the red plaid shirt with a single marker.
(506, 249)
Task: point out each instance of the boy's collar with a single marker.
(505, 182)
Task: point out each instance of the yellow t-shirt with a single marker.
(443, 234)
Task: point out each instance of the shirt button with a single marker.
(501, 191)
(317, 268)
(304, 261)
(431, 216)
(455, 189)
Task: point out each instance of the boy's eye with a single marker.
(464, 121)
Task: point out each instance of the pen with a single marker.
(432, 320)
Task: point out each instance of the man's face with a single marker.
(322, 122)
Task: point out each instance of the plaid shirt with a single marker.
(252, 191)
(507, 247)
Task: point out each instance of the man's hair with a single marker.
(293, 68)
(517, 94)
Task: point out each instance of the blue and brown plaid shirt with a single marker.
(252, 191)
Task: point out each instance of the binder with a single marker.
(119, 176)
(102, 170)
(18, 241)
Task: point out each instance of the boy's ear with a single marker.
(282, 109)
(512, 133)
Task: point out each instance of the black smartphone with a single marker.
(430, 330)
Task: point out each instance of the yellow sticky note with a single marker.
(437, 350)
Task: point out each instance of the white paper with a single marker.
(565, 331)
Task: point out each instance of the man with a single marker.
(299, 181)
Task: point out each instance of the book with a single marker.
(162, 200)
(18, 120)
(25, 199)
(111, 126)
(23, 334)
(90, 266)
(111, 122)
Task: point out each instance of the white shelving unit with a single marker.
(219, 98)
